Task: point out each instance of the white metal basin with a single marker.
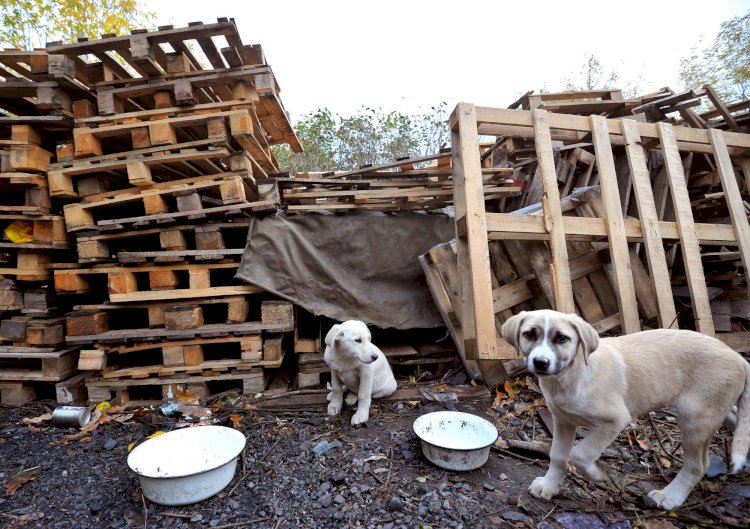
(455, 440)
(187, 466)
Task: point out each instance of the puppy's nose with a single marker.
(541, 363)
(374, 357)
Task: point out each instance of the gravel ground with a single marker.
(303, 469)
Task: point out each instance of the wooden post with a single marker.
(480, 334)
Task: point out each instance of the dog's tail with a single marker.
(741, 440)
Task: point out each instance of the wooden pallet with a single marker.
(248, 381)
(147, 56)
(198, 356)
(154, 282)
(212, 241)
(166, 202)
(25, 364)
(140, 168)
(34, 98)
(607, 225)
(28, 332)
(167, 314)
(48, 231)
(140, 335)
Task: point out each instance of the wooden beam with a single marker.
(480, 333)
(618, 244)
(733, 197)
(652, 236)
(560, 272)
(686, 225)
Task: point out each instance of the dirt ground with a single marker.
(303, 469)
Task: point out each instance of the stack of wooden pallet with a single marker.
(158, 177)
(659, 236)
(35, 112)
(420, 183)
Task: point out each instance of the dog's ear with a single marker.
(587, 335)
(512, 327)
(331, 336)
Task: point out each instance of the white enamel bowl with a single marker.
(455, 440)
(188, 465)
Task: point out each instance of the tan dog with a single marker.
(357, 366)
(606, 384)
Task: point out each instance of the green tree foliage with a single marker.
(725, 64)
(334, 142)
(594, 75)
(31, 23)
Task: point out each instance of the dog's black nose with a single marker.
(374, 357)
(541, 363)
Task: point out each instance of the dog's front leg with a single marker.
(586, 453)
(562, 441)
(364, 397)
(337, 395)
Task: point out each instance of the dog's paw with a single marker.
(360, 417)
(329, 397)
(662, 500)
(541, 488)
(334, 409)
(351, 399)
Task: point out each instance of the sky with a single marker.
(409, 55)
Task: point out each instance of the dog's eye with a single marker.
(561, 338)
(530, 335)
(358, 340)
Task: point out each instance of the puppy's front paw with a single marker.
(664, 500)
(334, 409)
(541, 488)
(351, 399)
(329, 397)
(360, 417)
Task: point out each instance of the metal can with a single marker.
(71, 416)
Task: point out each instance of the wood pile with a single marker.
(419, 183)
(35, 112)
(155, 160)
(635, 222)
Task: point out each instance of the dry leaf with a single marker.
(665, 463)
(37, 420)
(24, 519)
(14, 483)
(236, 420)
(644, 444)
(510, 389)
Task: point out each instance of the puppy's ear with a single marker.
(331, 336)
(587, 335)
(512, 327)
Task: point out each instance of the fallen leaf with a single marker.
(130, 446)
(421, 479)
(658, 524)
(156, 434)
(644, 444)
(376, 458)
(258, 395)
(122, 419)
(665, 463)
(103, 406)
(186, 396)
(14, 483)
(24, 519)
(236, 420)
(510, 389)
(37, 420)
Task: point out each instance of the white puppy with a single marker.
(357, 366)
(605, 384)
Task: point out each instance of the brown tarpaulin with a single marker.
(358, 266)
